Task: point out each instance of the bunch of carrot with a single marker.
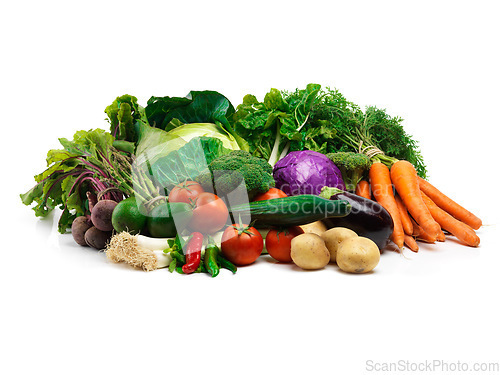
(418, 209)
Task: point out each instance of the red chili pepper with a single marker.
(193, 253)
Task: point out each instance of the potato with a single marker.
(357, 255)
(309, 252)
(318, 227)
(333, 238)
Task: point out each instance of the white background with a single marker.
(66, 310)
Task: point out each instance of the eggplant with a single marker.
(367, 218)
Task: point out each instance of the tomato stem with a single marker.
(244, 228)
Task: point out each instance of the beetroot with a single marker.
(97, 238)
(80, 225)
(101, 214)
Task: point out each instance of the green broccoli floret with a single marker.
(352, 166)
(227, 172)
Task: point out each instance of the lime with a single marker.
(127, 216)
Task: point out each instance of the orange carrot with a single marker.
(405, 218)
(380, 181)
(416, 228)
(460, 230)
(450, 206)
(424, 237)
(363, 189)
(411, 243)
(404, 178)
(420, 234)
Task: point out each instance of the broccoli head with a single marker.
(352, 166)
(227, 172)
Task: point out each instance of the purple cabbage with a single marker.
(306, 172)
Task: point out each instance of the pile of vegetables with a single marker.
(194, 184)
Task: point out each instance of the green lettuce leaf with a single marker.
(123, 113)
(271, 127)
(155, 143)
(152, 142)
(186, 163)
(196, 107)
(85, 143)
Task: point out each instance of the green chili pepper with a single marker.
(210, 260)
(224, 263)
(180, 258)
(179, 269)
(201, 268)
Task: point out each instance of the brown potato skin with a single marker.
(78, 229)
(358, 255)
(333, 237)
(317, 227)
(97, 238)
(309, 252)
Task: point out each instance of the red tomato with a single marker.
(209, 214)
(270, 194)
(241, 246)
(279, 243)
(185, 192)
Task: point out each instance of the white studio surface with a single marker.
(66, 309)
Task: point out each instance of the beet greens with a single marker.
(87, 166)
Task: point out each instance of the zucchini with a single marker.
(290, 211)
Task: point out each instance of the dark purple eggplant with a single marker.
(367, 218)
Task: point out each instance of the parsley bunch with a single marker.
(322, 120)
